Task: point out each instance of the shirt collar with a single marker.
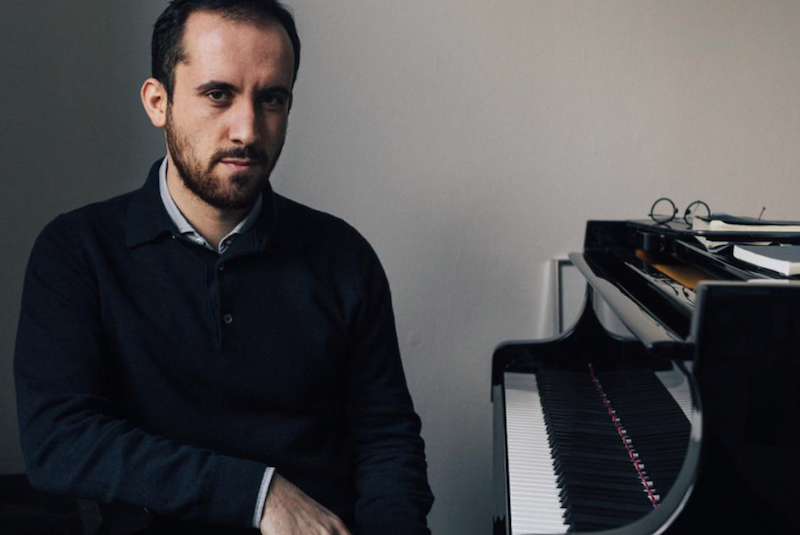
(148, 216)
(186, 228)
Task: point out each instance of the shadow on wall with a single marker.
(73, 133)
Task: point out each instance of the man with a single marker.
(205, 348)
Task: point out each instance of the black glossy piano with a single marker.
(687, 420)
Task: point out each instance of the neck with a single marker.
(210, 222)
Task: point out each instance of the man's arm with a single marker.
(393, 492)
(74, 439)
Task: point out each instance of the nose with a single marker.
(244, 128)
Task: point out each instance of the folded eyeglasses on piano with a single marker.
(687, 423)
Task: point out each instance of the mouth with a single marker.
(236, 164)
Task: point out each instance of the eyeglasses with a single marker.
(665, 204)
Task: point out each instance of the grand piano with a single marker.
(687, 421)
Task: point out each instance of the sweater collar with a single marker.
(148, 219)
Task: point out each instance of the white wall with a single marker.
(469, 141)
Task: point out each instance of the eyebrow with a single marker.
(281, 90)
(216, 85)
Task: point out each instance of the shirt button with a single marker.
(228, 319)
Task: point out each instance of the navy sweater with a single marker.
(151, 371)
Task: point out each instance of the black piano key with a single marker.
(591, 502)
(594, 430)
(599, 474)
(632, 494)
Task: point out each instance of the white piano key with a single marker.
(533, 491)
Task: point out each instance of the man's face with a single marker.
(227, 120)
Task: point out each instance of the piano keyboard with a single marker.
(588, 454)
(531, 478)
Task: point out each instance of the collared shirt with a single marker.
(188, 231)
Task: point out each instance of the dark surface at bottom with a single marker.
(26, 511)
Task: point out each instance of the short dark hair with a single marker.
(167, 45)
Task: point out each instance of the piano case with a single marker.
(690, 423)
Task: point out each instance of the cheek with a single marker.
(195, 134)
(277, 130)
(204, 142)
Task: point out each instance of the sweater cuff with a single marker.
(262, 496)
(231, 484)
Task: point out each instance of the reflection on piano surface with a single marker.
(690, 425)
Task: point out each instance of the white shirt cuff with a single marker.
(262, 496)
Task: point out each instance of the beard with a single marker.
(237, 192)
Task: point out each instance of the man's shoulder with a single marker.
(313, 226)
(108, 218)
(329, 244)
(102, 217)
(74, 241)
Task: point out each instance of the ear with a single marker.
(154, 100)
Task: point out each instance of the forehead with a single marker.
(215, 47)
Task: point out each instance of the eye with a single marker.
(274, 100)
(217, 95)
